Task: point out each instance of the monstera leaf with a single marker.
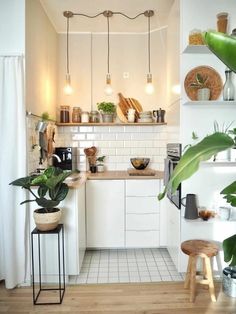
(189, 162)
(230, 193)
(229, 247)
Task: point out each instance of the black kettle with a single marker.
(191, 211)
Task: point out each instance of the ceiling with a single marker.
(55, 8)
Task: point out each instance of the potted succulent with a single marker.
(203, 92)
(107, 110)
(51, 190)
(100, 164)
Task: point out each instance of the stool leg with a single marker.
(193, 278)
(210, 279)
(187, 278)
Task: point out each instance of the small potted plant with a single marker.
(203, 92)
(100, 165)
(107, 110)
(51, 191)
(42, 124)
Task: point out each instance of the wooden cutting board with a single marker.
(125, 104)
(144, 172)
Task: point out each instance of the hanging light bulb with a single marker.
(108, 88)
(149, 88)
(68, 90)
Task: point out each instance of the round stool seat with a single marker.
(197, 247)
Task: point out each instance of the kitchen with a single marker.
(45, 66)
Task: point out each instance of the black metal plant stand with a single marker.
(59, 230)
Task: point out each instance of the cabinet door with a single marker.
(142, 187)
(105, 213)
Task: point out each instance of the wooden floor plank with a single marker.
(136, 298)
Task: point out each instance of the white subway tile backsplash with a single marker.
(122, 151)
(85, 144)
(116, 144)
(117, 129)
(78, 136)
(123, 136)
(85, 129)
(101, 129)
(92, 136)
(108, 136)
(137, 152)
(108, 151)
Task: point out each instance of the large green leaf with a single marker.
(189, 162)
(43, 202)
(59, 193)
(39, 180)
(23, 182)
(229, 247)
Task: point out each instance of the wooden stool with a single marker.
(204, 250)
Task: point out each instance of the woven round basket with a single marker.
(46, 221)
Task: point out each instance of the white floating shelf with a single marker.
(197, 49)
(221, 103)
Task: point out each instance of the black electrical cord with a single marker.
(108, 45)
(67, 46)
(149, 44)
(129, 17)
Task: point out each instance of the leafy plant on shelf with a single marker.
(106, 107)
(50, 182)
(100, 160)
(200, 81)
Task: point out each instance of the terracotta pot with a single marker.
(46, 221)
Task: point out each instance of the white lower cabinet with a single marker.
(105, 208)
(142, 227)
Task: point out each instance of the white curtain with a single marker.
(13, 242)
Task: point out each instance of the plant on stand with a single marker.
(203, 92)
(51, 191)
(107, 110)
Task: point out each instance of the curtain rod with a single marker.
(28, 113)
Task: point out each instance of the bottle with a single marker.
(65, 114)
(228, 90)
(76, 115)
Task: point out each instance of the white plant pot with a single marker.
(203, 94)
(47, 221)
(100, 168)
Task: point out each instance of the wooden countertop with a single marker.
(110, 175)
(122, 175)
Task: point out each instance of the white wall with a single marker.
(128, 53)
(12, 27)
(41, 61)
(173, 65)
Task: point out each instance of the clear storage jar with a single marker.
(65, 114)
(76, 115)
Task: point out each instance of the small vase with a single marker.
(203, 94)
(228, 90)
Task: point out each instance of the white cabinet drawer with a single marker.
(142, 187)
(142, 239)
(142, 222)
(142, 205)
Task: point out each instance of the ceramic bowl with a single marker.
(139, 163)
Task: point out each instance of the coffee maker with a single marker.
(67, 156)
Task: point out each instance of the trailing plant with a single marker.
(51, 187)
(106, 107)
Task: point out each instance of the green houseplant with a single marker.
(107, 109)
(100, 163)
(51, 190)
(203, 92)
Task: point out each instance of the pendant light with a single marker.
(68, 90)
(108, 88)
(149, 88)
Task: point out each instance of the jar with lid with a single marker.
(65, 114)
(84, 117)
(94, 116)
(76, 115)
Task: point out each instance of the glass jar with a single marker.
(94, 116)
(228, 90)
(76, 115)
(195, 37)
(65, 114)
(84, 117)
